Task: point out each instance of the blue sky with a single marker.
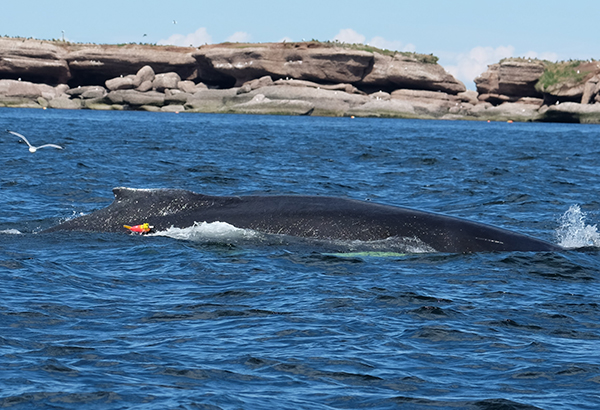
(465, 35)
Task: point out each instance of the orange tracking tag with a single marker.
(143, 228)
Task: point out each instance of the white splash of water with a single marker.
(11, 232)
(573, 231)
(207, 232)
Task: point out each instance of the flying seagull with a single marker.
(31, 147)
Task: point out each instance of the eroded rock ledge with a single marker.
(309, 78)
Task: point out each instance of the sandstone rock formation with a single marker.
(591, 90)
(308, 78)
(260, 104)
(33, 60)
(514, 80)
(58, 62)
(510, 80)
(222, 65)
(94, 64)
(571, 112)
(406, 71)
(367, 70)
(303, 61)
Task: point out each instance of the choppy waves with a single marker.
(217, 317)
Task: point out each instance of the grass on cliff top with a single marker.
(556, 74)
(564, 72)
(422, 58)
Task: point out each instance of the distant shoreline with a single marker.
(308, 78)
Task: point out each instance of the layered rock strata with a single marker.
(286, 78)
(534, 90)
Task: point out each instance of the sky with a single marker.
(465, 35)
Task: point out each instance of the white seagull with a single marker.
(31, 147)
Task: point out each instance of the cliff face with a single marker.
(510, 80)
(88, 64)
(221, 65)
(326, 65)
(33, 60)
(541, 91)
(302, 61)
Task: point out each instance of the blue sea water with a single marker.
(218, 318)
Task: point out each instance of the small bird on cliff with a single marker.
(31, 147)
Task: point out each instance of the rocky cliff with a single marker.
(223, 65)
(563, 91)
(308, 78)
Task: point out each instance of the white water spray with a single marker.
(207, 232)
(573, 231)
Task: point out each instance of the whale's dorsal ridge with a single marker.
(127, 194)
(124, 193)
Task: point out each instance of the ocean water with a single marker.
(214, 317)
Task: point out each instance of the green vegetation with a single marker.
(523, 59)
(242, 45)
(559, 74)
(564, 72)
(422, 58)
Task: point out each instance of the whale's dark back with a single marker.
(302, 216)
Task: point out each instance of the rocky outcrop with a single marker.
(94, 64)
(87, 64)
(428, 103)
(384, 108)
(222, 65)
(260, 104)
(348, 88)
(15, 93)
(505, 112)
(510, 80)
(301, 78)
(34, 61)
(406, 71)
(323, 65)
(264, 96)
(326, 102)
(591, 90)
(210, 100)
(571, 112)
(514, 80)
(302, 61)
(308, 78)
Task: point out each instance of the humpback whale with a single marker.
(318, 217)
